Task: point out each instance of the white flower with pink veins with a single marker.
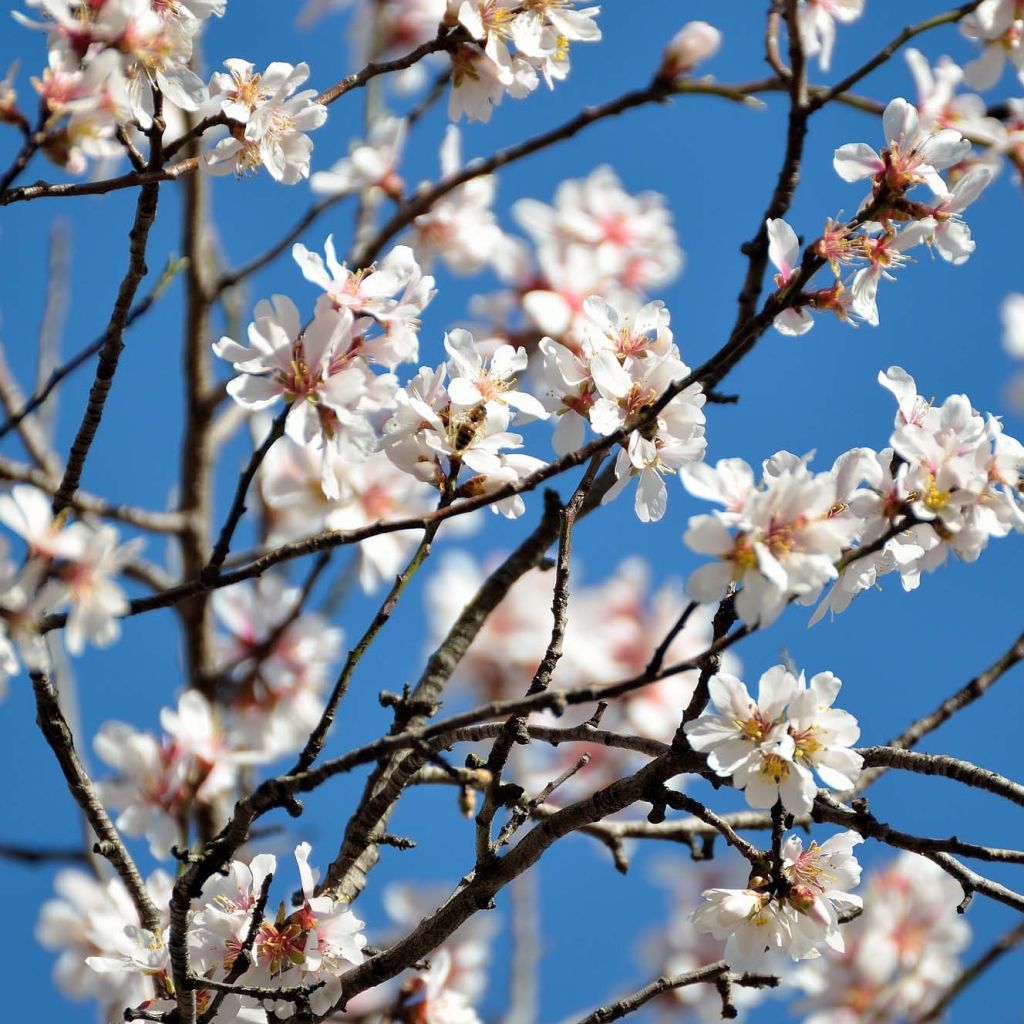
(276, 694)
(273, 135)
(371, 291)
(334, 940)
(820, 879)
(471, 383)
(317, 370)
(631, 236)
(912, 156)
(87, 919)
(159, 779)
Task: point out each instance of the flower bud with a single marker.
(802, 897)
(694, 42)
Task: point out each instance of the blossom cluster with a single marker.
(794, 915)
(272, 665)
(504, 47)
(771, 747)
(890, 223)
(111, 956)
(539, 33)
(626, 379)
(68, 565)
(949, 482)
(110, 60)
(899, 953)
(107, 954)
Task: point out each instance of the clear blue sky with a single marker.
(897, 654)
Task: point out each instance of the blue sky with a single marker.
(898, 654)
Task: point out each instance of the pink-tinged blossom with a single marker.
(632, 236)
(334, 940)
(517, 44)
(884, 251)
(381, 291)
(567, 390)
(86, 922)
(784, 252)
(760, 925)
(471, 383)
(816, 22)
(312, 946)
(276, 664)
(480, 82)
(318, 370)
(160, 780)
(899, 953)
(940, 106)
(372, 163)
(784, 546)
(998, 25)
(460, 229)
(436, 432)
(294, 478)
(911, 156)
(226, 905)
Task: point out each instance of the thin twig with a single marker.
(55, 729)
(110, 353)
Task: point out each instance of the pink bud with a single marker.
(802, 897)
(694, 42)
